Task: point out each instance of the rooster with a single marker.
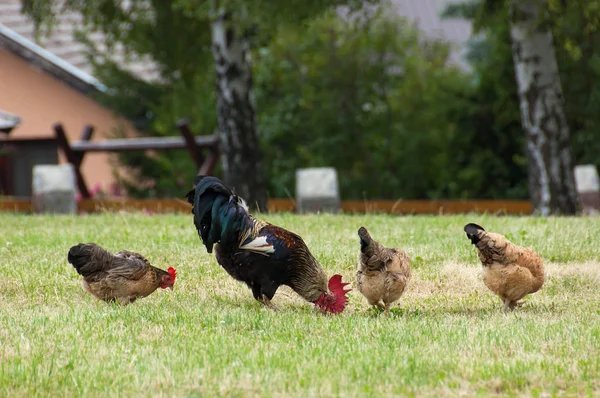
(262, 255)
(383, 273)
(122, 277)
(510, 271)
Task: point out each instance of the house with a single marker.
(41, 85)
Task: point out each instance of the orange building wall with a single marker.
(42, 100)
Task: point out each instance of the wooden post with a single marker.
(86, 136)
(87, 132)
(190, 142)
(72, 158)
(74, 152)
(209, 164)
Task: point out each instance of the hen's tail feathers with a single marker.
(472, 231)
(88, 259)
(219, 215)
(365, 239)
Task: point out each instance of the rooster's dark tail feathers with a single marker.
(219, 215)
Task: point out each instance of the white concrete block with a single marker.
(586, 178)
(317, 189)
(588, 188)
(54, 189)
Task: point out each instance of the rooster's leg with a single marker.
(268, 303)
(256, 292)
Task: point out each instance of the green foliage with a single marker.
(344, 94)
(491, 151)
(575, 26)
(378, 101)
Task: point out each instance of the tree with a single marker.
(236, 112)
(551, 179)
(543, 115)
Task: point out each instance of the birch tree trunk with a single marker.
(551, 176)
(240, 152)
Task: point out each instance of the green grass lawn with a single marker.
(446, 336)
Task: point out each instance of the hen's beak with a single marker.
(171, 287)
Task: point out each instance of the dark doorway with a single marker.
(17, 159)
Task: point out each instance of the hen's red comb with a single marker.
(336, 286)
(173, 272)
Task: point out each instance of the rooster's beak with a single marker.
(171, 287)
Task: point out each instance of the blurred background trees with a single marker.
(543, 117)
(362, 90)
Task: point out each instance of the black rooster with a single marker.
(258, 253)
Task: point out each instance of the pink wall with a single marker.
(42, 100)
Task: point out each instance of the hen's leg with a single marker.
(123, 301)
(387, 308)
(515, 304)
(508, 306)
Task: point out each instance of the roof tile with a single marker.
(62, 42)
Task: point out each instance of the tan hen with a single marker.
(510, 271)
(383, 273)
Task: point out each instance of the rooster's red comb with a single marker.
(173, 272)
(336, 286)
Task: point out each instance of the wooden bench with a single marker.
(75, 151)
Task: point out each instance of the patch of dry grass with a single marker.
(446, 336)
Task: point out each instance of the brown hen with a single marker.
(510, 271)
(383, 273)
(122, 277)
